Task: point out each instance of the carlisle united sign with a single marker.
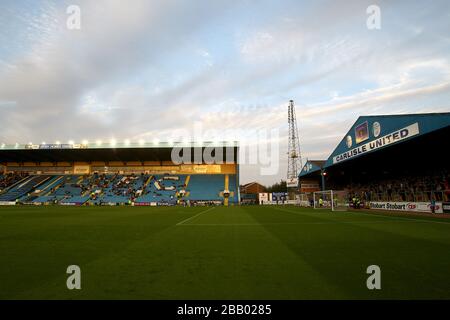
(396, 136)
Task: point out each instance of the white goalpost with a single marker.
(336, 200)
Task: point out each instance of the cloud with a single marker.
(56, 75)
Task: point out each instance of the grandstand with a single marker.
(141, 174)
(393, 162)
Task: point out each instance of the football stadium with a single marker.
(141, 226)
(224, 159)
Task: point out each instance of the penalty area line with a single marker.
(395, 218)
(290, 223)
(403, 218)
(193, 217)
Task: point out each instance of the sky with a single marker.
(147, 70)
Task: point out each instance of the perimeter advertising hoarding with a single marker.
(446, 207)
(7, 203)
(406, 206)
(292, 183)
(264, 197)
(279, 196)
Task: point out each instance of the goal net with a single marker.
(331, 199)
(303, 200)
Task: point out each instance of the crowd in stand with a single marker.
(419, 188)
(10, 178)
(119, 185)
(165, 189)
(125, 186)
(178, 186)
(116, 184)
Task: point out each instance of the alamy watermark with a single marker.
(373, 21)
(73, 21)
(74, 280)
(374, 280)
(256, 147)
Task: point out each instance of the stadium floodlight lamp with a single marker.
(113, 142)
(43, 142)
(85, 142)
(71, 142)
(57, 142)
(98, 142)
(141, 142)
(127, 142)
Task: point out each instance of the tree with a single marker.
(278, 187)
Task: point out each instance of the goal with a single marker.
(303, 200)
(331, 199)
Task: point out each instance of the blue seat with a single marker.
(23, 188)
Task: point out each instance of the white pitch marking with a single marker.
(289, 223)
(193, 217)
(403, 218)
(376, 215)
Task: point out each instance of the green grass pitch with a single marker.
(254, 252)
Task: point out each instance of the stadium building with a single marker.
(250, 192)
(121, 174)
(392, 162)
